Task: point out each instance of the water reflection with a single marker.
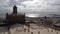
(32, 15)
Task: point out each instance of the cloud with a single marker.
(42, 5)
(4, 2)
(37, 4)
(31, 6)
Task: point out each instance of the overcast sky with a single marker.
(31, 6)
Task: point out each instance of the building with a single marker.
(14, 17)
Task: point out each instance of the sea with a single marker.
(35, 15)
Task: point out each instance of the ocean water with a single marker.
(35, 15)
(42, 15)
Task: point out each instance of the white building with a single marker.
(23, 29)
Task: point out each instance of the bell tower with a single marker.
(15, 9)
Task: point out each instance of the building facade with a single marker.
(14, 17)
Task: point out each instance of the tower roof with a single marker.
(14, 6)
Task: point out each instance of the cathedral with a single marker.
(14, 17)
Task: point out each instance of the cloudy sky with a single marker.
(31, 6)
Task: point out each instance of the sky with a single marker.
(31, 6)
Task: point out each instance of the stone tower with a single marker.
(14, 9)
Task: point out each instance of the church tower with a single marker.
(14, 9)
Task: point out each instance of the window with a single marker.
(48, 30)
(38, 32)
(31, 32)
(24, 29)
(51, 30)
(56, 32)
